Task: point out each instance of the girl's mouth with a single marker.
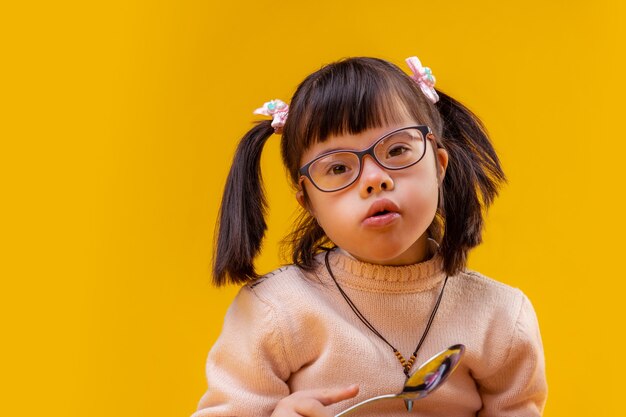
(381, 219)
(381, 213)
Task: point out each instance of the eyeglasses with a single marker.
(399, 149)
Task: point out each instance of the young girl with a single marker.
(393, 177)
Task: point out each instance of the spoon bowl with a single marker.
(427, 378)
(433, 373)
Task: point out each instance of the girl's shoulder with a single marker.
(286, 287)
(490, 296)
(476, 281)
(285, 275)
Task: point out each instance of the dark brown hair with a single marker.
(349, 97)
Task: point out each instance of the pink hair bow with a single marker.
(278, 110)
(424, 77)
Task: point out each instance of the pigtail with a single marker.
(472, 180)
(241, 224)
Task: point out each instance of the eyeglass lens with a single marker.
(396, 151)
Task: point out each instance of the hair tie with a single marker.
(424, 77)
(278, 110)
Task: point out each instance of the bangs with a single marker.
(349, 97)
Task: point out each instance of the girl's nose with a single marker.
(374, 178)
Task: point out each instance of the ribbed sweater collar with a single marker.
(353, 273)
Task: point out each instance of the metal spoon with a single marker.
(425, 380)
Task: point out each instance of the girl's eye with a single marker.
(397, 150)
(337, 169)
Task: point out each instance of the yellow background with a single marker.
(118, 123)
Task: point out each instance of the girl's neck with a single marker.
(353, 273)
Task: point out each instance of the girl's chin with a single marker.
(390, 253)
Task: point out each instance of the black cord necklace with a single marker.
(407, 365)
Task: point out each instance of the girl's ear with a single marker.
(442, 158)
(300, 199)
(303, 202)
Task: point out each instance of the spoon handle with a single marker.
(369, 400)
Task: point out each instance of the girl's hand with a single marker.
(311, 403)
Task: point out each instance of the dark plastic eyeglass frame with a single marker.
(424, 130)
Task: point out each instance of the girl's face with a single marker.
(408, 197)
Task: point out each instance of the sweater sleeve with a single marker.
(518, 388)
(246, 368)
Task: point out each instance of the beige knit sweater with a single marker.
(291, 331)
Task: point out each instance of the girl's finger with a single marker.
(329, 396)
(311, 403)
(310, 407)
